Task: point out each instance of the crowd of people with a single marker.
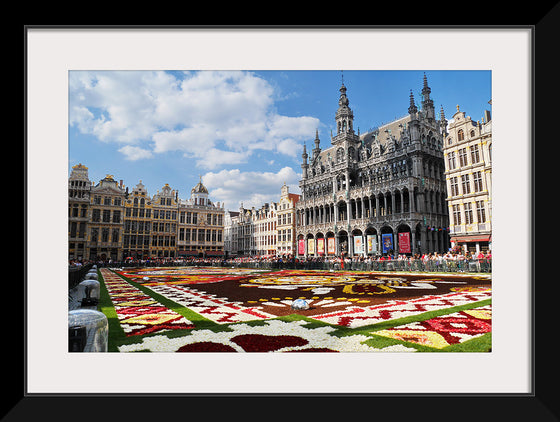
(453, 260)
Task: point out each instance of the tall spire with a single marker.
(442, 121)
(317, 149)
(344, 115)
(425, 87)
(304, 165)
(427, 102)
(412, 109)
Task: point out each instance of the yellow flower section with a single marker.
(427, 338)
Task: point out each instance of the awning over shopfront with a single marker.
(475, 238)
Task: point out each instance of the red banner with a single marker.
(301, 247)
(404, 242)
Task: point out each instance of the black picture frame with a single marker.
(539, 405)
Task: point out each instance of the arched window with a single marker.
(340, 155)
(460, 135)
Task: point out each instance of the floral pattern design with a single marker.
(443, 331)
(343, 320)
(138, 313)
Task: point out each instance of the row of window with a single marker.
(105, 215)
(468, 213)
(200, 235)
(102, 235)
(284, 219)
(77, 211)
(266, 240)
(192, 218)
(466, 184)
(106, 200)
(285, 235)
(462, 157)
(97, 216)
(185, 235)
(461, 136)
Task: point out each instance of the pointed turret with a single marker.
(442, 121)
(317, 149)
(427, 103)
(344, 119)
(412, 109)
(304, 165)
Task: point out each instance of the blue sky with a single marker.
(242, 132)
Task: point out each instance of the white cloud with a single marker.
(156, 112)
(133, 153)
(252, 188)
(216, 157)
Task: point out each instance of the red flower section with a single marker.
(206, 346)
(262, 343)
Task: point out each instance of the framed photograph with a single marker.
(54, 55)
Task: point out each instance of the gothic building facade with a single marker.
(379, 192)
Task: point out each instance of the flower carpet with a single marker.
(212, 309)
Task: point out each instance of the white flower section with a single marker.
(316, 338)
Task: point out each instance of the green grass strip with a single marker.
(116, 333)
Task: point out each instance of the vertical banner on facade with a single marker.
(330, 246)
(310, 246)
(371, 243)
(387, 240)
(404, 242)
(320, 246)
(358, 244)
(301, 247)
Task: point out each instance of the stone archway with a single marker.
(404, 239)
(371, 241)
(358, 242)
(387, 240)
(343, 245)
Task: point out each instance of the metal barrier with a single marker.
(437, 265)
(473, 266)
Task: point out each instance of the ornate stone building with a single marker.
(230, 232)
(286, 222)
(79, 187)
(105, 220)
(244, 225)
(380, 192)
(137, 230)
(164, 223)
(265, 220)
(201, 225)
(468, 170)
